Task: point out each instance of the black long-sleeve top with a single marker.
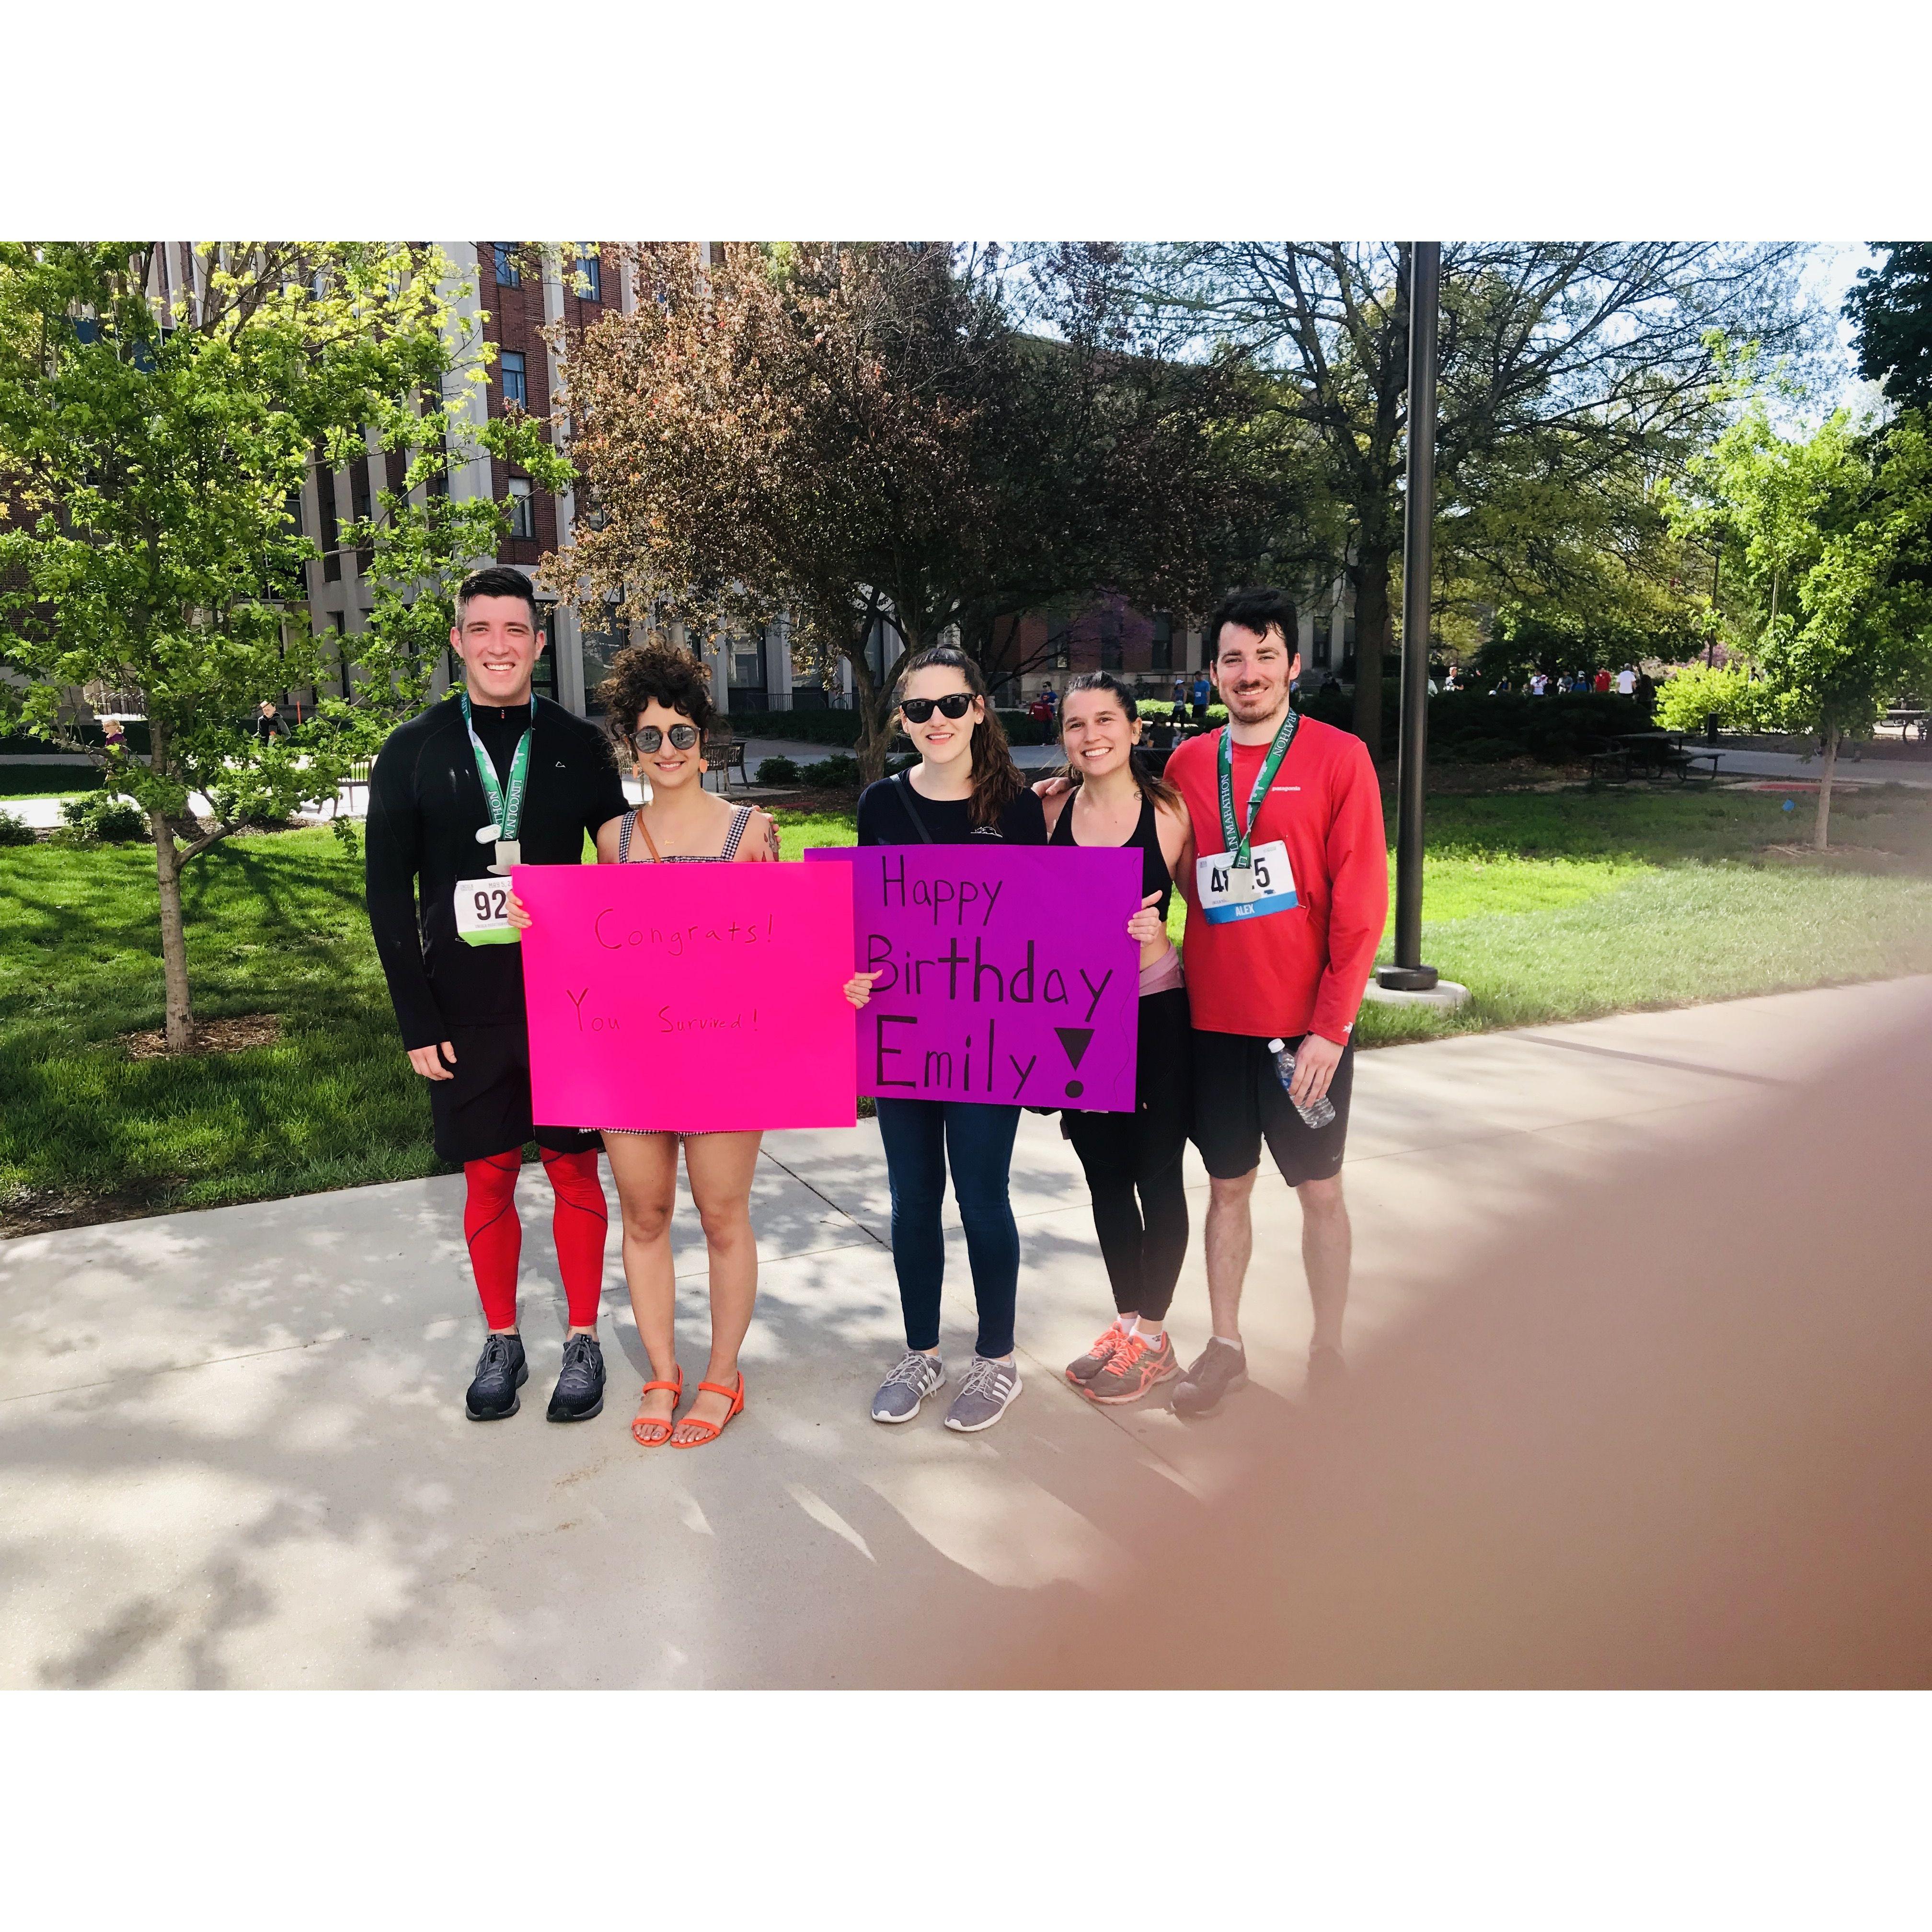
(426, 804)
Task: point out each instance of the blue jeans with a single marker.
(922, 1137)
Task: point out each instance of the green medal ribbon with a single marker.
(508, 811)
(1237, 839)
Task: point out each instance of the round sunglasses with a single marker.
(954, 704)
(683, 737)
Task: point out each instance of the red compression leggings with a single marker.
(578, 1223)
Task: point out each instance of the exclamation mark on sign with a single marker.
(1073, 1040)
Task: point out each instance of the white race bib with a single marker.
(483, 912)
(1228, 892)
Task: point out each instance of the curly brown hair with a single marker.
(639, 673)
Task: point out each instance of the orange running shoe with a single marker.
(1083, 1369)
(1133, 1368)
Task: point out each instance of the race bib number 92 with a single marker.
(483, 912)
(1228, 892)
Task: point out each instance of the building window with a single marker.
(516, 382)
(523, 510)
(508, 275)
(592, 270)
(1163, 644)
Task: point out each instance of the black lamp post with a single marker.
(1408, 974)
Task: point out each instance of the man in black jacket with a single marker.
(491, 777)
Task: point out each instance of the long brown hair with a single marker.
(997, 780)
(1154, 788)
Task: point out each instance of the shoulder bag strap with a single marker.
(912, 806)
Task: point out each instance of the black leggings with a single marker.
(1133, 1165)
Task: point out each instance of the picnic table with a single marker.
(1909, 720)
(1651, 755)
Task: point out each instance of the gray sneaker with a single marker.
(983, 1397)
(908, 1385)
(1219, 1369)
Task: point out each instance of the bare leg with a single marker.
(1231, 1240)
(644, 1166)
(1327, 1242)
(720, 1168)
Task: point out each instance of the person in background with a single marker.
(1132, 1161)
(965, 788)
(1202, 690)
(267, 722)
(1644, 692)
(1626, 680)
(1538, 684)
(1601, 683)
(1448, 679)
(1179, 693)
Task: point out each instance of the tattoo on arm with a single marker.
(772, 837)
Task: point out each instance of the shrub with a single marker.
(830, 773)
(100, 816)
(778, 771)
(1690, 698)
(15, 830)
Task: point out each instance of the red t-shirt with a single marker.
(1601, 681)
(1302, 969)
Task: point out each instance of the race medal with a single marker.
(506, 806)
(509, 852)
(1228, 892)
(482, 908)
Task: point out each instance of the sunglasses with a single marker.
(683, 737)
(954, 704)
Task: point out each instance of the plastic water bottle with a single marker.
(1323, 1110)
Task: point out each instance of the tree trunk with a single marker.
(180, 1025)
(1372, 638)
(1822, 825)
(875, 736)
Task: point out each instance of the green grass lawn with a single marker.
(1551, 906)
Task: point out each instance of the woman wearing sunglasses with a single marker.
(965, 788)
(658, 702)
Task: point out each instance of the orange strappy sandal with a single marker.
(640, 1422)
(715, 1429)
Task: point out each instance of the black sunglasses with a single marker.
(954, 704)
(683, 737)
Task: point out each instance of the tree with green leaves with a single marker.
(871, 437)
(1892, 306)
(1560, 358)
(158, 417)
(1834, 530)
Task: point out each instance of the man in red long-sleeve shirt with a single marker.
(1286, 907)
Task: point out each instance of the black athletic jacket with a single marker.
(426, 804)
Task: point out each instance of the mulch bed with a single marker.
(235, 1035)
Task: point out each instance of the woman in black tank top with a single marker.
(1132, 1161)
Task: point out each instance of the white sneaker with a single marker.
(908, 1385)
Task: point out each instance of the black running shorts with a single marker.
(485, 1109)
(1239, 1102)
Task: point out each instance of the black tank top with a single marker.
(1155, 877)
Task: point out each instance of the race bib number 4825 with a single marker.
(1228, 892)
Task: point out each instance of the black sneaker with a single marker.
(1220, 1369)
(1327, 1373)
(500, 1372)
(579, 1394)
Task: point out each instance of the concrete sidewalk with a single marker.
(233, 1453)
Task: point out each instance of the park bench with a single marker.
(1681, 758)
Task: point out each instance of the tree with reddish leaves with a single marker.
(890, 436)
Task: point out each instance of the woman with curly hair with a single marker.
(659, 703)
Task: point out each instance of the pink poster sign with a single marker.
(1005, 973)
(689, 998)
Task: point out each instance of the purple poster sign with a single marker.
(1005, 973)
